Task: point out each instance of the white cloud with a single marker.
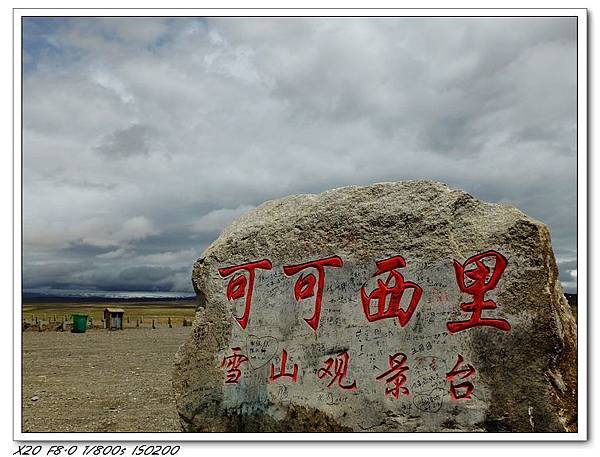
(116, 254)
(217, 220)
(136, 228)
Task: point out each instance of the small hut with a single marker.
(113, 318)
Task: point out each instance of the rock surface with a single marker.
(523, 379)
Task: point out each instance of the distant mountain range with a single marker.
(30, 296)
(101, 296)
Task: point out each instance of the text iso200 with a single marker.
(144, 449)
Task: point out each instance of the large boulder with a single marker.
(438, 312)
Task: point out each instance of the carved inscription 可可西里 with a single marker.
(474, 277)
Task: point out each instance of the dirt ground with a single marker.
(100, 381)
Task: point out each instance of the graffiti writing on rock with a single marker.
(430, 402)
(261, 350)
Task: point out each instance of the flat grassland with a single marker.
(136, 313)
(101, 380)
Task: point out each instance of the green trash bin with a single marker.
(79, 323)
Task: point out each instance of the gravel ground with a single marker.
(100, 381)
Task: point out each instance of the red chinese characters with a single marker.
(395, 377)
(394, 288)
(305, 285)
(282, 373)
(240, 286)
(232, 365)
(476, 279)
(337, 370)
(463, 373)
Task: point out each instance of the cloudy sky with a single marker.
(143, 138)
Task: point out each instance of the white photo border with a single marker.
(582, 224)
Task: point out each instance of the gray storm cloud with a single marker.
(143, 138)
